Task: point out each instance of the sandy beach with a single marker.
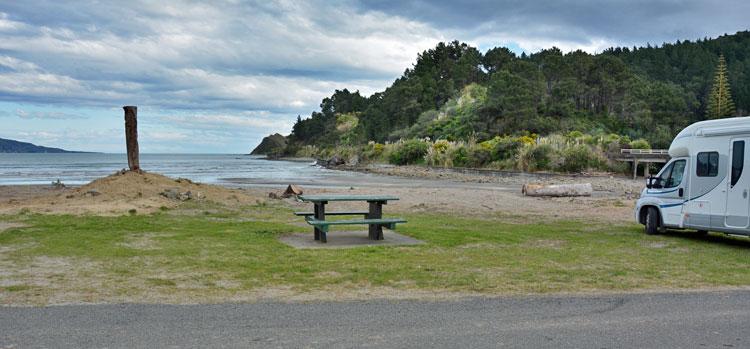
(420, 189)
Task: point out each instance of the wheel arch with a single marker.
(644, 209)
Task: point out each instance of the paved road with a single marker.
(693, 320)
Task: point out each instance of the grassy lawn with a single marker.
(209, 253)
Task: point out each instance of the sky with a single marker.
(217, 76)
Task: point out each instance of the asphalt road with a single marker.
(690, 320)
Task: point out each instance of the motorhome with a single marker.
(705, 184)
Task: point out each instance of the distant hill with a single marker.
(11, 146)
(270, 144)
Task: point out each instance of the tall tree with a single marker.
(720, 102)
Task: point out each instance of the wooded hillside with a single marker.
(455, 92)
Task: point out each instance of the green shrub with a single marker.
(408, 152)
(346, 125)
(640, 144)
(536, 157)
(460, 156)
(578, 158)
(506, 148)
(609, 139)
(589, 139)
(441, 146)
(625, 142)
(372, 151)
(346, 152)
(479, 156)
(437, 154)
(575, 135)
(507, 164)
(557, 141)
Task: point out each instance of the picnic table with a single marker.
(373, 217)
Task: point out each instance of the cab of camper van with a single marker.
(704, 186)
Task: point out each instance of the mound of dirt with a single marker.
(123, 192)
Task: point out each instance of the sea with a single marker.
(226, 169)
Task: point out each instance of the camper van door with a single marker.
(738, 200)
(671, 184)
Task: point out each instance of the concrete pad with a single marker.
(347, 239)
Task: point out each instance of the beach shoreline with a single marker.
(421, 189)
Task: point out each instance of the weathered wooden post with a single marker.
(131, 136)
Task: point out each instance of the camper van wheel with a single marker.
(652, 221)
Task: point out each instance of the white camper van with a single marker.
(705, 185)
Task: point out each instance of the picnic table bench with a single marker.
(373, 217)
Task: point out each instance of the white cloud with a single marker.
(283, 56)
(260, 120)
(47, 115)
(165, 136)
(7, 25)
(536, 43)
(17, 64)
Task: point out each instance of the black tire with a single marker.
(652, 221)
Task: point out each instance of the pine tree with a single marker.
(720, 102)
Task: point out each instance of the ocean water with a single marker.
(81, 168)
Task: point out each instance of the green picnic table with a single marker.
(373, 217)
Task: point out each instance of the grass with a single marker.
(209, 253)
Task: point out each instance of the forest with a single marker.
(455, 93)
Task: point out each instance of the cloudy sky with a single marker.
(216, 76)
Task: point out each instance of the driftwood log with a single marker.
(292, 190)
(131, 137)
(583, 189)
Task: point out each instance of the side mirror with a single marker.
(654, 183)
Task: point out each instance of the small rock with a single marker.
(185, 196)
(171, 194)
(92, 192)
(336, 161)
(274, 196)
(353, 161)
(175, 194)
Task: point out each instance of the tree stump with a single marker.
(131, 137)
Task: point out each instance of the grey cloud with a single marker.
(583, 22)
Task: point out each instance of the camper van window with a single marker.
(738, 160)
(708, 164)
(672, 175)
(675, 177)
